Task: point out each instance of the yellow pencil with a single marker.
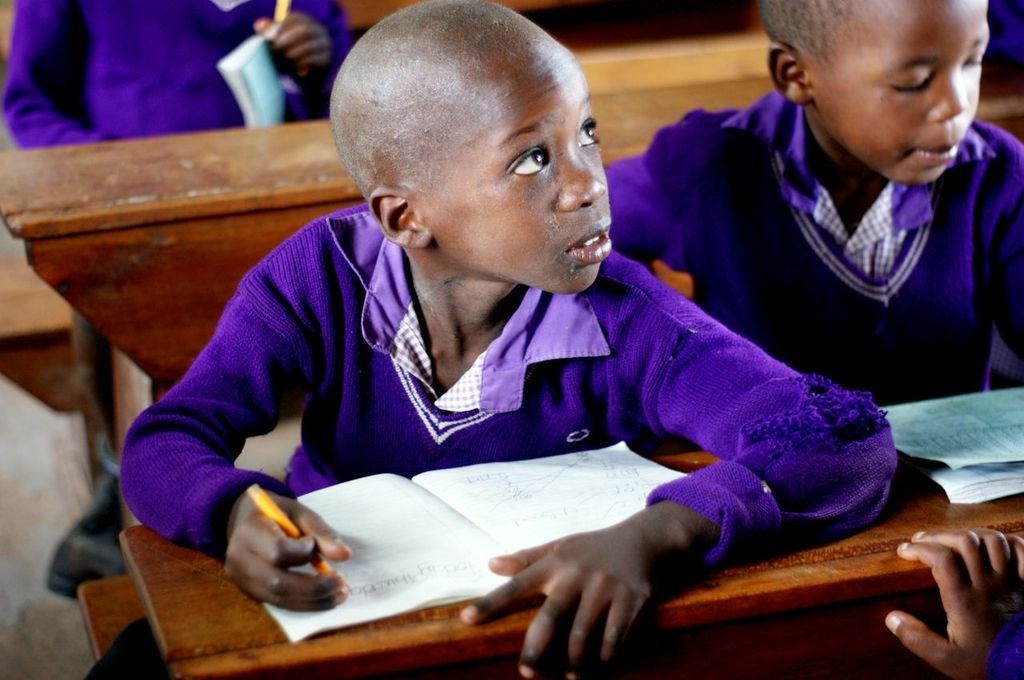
(270, 509)
(281, 10)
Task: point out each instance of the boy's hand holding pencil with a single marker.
(267, 536)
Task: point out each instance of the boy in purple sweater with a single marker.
(980, 574)
(472, 311)
(90, 70)
(858, 223)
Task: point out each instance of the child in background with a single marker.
(471, 312)
(857, 223)
(980, 574)
(90, 70)
(84, 71)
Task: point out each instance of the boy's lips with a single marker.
(936, 156)
(594, 247)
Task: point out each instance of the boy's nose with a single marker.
(581, 187)
(954, 97)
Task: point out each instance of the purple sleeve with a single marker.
(641, 217)
(1006, 23)
(187, 442)
(1006, 658)
(43, 99)
(801, 459)
(1009, 282)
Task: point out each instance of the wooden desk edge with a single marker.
(436, 635)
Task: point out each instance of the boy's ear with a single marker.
(789, 73)
(398, 218)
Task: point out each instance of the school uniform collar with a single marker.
(780, 124)
(545, 326)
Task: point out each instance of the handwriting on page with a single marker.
(530, 502)
(408, 549)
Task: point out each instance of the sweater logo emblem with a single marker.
(228, 5)
(577, 436)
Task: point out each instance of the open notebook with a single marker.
(427, 541)
(972, 445)
(249, 72)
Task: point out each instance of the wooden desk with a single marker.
(108, 605)
(817, 613)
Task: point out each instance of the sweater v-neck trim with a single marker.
(881, 289)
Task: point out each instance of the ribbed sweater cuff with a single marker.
(731, 496)
(214, 498)
(1006, 658)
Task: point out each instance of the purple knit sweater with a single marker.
(90, 70)
(1006, 658)
(717, 195)
(625, 360)
(1006, 23)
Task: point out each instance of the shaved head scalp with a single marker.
(808, 25)
(424, 79)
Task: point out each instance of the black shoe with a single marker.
(90, 550)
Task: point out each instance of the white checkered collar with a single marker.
(874, 226)
(409, 351)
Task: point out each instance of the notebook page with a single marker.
(525, 503)
(409, 551)
(969, 429)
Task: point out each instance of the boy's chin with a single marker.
(916, 175)
(577, 282)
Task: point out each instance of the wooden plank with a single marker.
(365, 13)
(156, 291)
(35, 336)
(73, 189)
(108, 605)
(663, 64)
(6, 25)
(29, 307)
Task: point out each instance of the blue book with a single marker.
(249, 72)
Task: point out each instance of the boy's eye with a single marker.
(532, 162)
(913, 87)
(588, 133)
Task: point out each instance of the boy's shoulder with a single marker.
(625, 292)
(346, 239)
(705, 141)
(1004, 148)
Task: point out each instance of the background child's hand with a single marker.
(980, 574)
(300, 40)
(595, 581)
(260, 554)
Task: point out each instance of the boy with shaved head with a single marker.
(858, 222)
(472, 311)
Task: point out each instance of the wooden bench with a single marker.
(35, 334)
(365, 13)
(108, 605)
(6, 24)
